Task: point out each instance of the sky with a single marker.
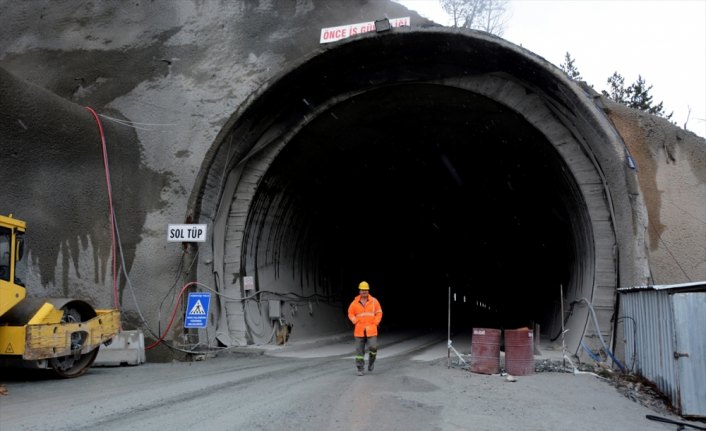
(664, 41)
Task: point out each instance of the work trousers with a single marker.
(360, 343)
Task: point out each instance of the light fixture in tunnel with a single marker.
(382, 25)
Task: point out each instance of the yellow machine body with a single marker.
(36, 329)
(46, 336)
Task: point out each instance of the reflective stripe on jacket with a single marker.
(366, 318)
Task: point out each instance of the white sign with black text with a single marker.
(186, 233)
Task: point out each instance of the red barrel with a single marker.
(485, 351)
(519, 351)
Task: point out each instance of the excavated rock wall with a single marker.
(671, 170)
(166, 77)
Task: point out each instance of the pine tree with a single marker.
(616, 89)
(636, 95)
(570, 68)
(641, 99)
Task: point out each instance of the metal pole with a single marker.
(448, 340)
(563, 345)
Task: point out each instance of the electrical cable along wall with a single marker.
(419, 160)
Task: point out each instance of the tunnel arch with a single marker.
(412, 97)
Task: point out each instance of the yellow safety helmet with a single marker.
(363, 285)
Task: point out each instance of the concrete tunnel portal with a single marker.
(396, 199)
(403, 160)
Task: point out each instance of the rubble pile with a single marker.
(641, 391)
(559, 366)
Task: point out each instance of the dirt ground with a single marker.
(415, 386)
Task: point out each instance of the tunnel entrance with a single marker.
(418, 161)
(418, 188)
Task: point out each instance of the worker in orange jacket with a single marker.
(366, 313)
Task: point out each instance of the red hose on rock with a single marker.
(116, 300)
(171, 318)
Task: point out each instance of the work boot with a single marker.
(360, 364)
(371, 365)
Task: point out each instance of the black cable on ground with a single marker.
(673, 422)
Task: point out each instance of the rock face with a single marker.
(671, 169)
(199, 99)
(166, 78)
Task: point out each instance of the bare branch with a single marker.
(486, 15)
(688, 114)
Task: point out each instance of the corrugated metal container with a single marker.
(665, 333)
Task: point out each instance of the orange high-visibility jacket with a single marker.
(365, 318)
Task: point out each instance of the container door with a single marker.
(690, 353)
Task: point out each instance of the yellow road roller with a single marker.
(58, 334)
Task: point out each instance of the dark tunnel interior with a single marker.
(418, 189)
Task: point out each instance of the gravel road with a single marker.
(410, 389)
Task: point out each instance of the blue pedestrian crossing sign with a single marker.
(197, 310)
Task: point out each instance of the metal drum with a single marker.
(485, 351)
(519, 351)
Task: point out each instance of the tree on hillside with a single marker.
(636, 95)
(486, 15)
(570, 68)
(616, 89)
(641, 99)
